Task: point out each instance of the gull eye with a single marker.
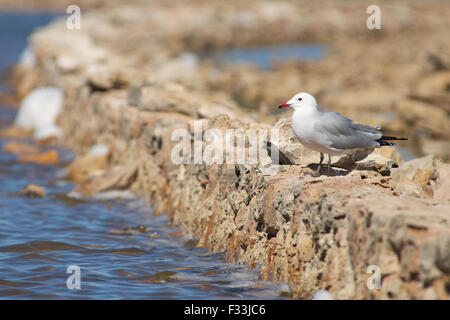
(299, 99)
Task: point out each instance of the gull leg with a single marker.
(318, 168)
(329, 165)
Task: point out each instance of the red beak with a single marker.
(283, 105)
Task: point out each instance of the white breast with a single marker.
(304, 128)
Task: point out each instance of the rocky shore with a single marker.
(133, 74)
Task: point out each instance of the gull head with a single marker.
(301, 100)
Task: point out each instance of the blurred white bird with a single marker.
(329, 132)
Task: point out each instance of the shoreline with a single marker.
(312, 233)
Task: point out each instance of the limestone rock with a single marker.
(17, 147)
(119, 177)
(16, 132)
(439, 147)
(426, 116)
(103, 77)
(362, 99)
(47, 157)
(85, 165)
(433, 84)
(390, 152)
(416, 177)
(177, 99)
(442, 191)
(33, 191)
(367, 160)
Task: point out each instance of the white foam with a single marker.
(114, 194)
(47, 132)
(39, 110)
(244, 275)
(322, 295)
(75, 195)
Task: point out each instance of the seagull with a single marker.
(329, 132)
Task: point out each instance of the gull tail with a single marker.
(383, 141)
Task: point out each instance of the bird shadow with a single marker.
(324, 171)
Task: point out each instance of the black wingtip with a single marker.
(385, 143)
(384, 138)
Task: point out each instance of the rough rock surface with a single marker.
(34, 191)
(314, 233)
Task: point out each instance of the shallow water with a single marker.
(122, 250)
(14, 31)
(264, 57)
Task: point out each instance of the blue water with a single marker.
(264, 57)
(122, 250)
(14, 31)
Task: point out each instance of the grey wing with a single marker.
(341, 133)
